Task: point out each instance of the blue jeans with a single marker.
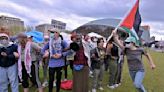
(137, 77)
(9, 75)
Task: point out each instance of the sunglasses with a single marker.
(127, 42)
(102, 41)
(53, 32)
(3, 37)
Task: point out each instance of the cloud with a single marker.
(156, 29)
(78, 12)
(49, 2)
(92, 8)
(44, 16)
(152, 10)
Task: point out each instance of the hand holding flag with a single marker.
(131, 20)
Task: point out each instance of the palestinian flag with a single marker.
(132, 21)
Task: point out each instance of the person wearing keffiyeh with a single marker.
(54, 49)
(27, 62)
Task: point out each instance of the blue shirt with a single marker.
(59, 62)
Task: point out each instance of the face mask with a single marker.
(78, 42)
(128, 45)
(52, 35)
(4, 42)
(95, 40)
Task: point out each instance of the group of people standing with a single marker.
(85, 55)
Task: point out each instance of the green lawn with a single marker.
(153, 82)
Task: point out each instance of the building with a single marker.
(58, 24)
(145, 33)
(44, 28)
(15, 25)
(54, 24)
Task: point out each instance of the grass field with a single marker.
(153, 82)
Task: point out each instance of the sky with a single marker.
(78, 12)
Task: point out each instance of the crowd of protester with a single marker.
(87, 57)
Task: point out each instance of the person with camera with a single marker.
(80, 64)
(97, 59)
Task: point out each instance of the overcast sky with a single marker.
(79, 12)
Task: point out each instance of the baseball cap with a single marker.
(131, 39)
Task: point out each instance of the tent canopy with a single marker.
(95, 34)
(37, 36)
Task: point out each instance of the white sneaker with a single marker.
(101, 88)
(111, 87)
(45, 84)
(65, 79)
(20, 84)
(119, 84)
(91, 74)
(54, 84)
(93, 90)
(116, 85)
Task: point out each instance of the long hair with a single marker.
(22, 39)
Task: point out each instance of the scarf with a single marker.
(55, 45)
(10, 43)
(87, 47)
(27, 59)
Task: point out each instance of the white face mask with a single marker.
(4, 42)
(95, 39)
(128, 45)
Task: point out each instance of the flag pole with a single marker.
(116, 28)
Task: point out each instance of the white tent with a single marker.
(95, 34)
(98, 36)
(66, 37)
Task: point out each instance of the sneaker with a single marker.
(101, 88)
(20, 84)
(94, 90)
(90, 72)
(119, 84)
(45, 84)
(65, 79)
(116, 85)
(91, 76)
(54, 84)
(111, 87)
